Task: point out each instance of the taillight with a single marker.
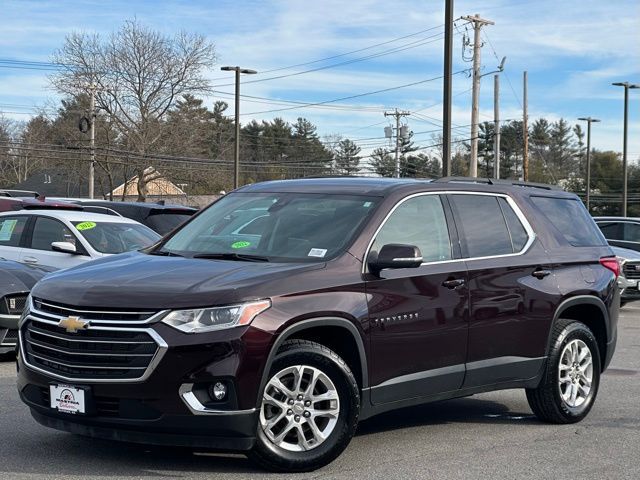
(611, 263)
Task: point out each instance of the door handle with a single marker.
(540, 274)
(451, 284)
(30, 260)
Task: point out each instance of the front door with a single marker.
(418, 315)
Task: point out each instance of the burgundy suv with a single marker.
(277, 318)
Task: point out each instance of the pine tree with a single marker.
(347, 157)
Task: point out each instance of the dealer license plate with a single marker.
(67, 399)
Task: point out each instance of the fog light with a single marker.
(218, 391)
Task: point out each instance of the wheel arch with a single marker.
(591, 311)
(319, 329)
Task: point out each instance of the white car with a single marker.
(62, 239)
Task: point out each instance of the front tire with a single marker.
(571, 378)
(309, 409)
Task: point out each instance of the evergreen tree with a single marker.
(347, 157)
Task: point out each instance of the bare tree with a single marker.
(137, 74)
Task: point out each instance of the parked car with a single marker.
(16, 280)
(621, 231)
(158, 217)
(61, 239)
(10, 204)
(356, 296)
(629, 279)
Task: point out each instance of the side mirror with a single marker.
(396, 255)
(64, 247)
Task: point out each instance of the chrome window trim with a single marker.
(523, 220)
(159, 354)
(195, 407)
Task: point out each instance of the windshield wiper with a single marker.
(243, 257)
(165, 253)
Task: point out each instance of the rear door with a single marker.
(38, 249)
(12, 233)
(512, 289)
(418, 315)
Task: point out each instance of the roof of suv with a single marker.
(71, 216)
(382, 186)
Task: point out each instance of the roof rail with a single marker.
(494, 181)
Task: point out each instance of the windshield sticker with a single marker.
(7, 229)
(317, 252)
(85, 226)
(366, 204)
(240, 244)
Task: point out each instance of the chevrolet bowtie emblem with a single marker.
(73, 324)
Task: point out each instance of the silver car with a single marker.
(629, 279)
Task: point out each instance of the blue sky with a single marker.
(572, 50)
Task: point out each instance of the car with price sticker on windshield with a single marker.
(280, 316)
(58, 239)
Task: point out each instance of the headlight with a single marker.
(217, 318)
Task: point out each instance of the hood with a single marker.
(16, 277)
(626, 253)
(136, 280)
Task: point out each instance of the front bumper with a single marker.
(8, 332)
(629, 289)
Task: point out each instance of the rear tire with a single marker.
(571, 377)
(309, 409)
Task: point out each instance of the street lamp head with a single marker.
(634, 85)
(248, 71)
(595, 120)
(228, 69)
(621, 84)
(238, 69)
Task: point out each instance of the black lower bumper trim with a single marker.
(224, 444)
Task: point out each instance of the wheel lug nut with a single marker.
(307, 414)
(289, 412)
(297, 418)
(307, 403)
(299, 397)
(290, 402)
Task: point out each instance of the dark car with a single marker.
(16, 280)
(621, 231)
(348, 298)
(158, 217)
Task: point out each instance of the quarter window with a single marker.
(11, 229)
(573, 221)
(419, 221)
(482, 225)
(632, 232)
(611, 230)
(519, 235)
(47, 230)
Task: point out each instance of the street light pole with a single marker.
(626, 86)
(589, 121)
(236, 147)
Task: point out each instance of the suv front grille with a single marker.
(118, 351)
(13, 304)
(93, 314)
(632, 270)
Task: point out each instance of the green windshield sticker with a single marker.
(7, 229)
(240, 244)
(85, 226)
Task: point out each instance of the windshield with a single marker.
(276, 226)
(107, 237)
(163, 223)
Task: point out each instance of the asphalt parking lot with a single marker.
(489, 436)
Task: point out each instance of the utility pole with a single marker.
(236, 145)
(478, 23)
(447, 78)
(397, 114)
(525, 130)
(496, 122)
(626, 86)
(92, 137)
(589, 121)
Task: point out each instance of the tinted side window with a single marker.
(11, 229)
(611, 230)
(571, 218)
(47, 230)
(519, 235)
(419, 221)
(632, 232)
(482, 225)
